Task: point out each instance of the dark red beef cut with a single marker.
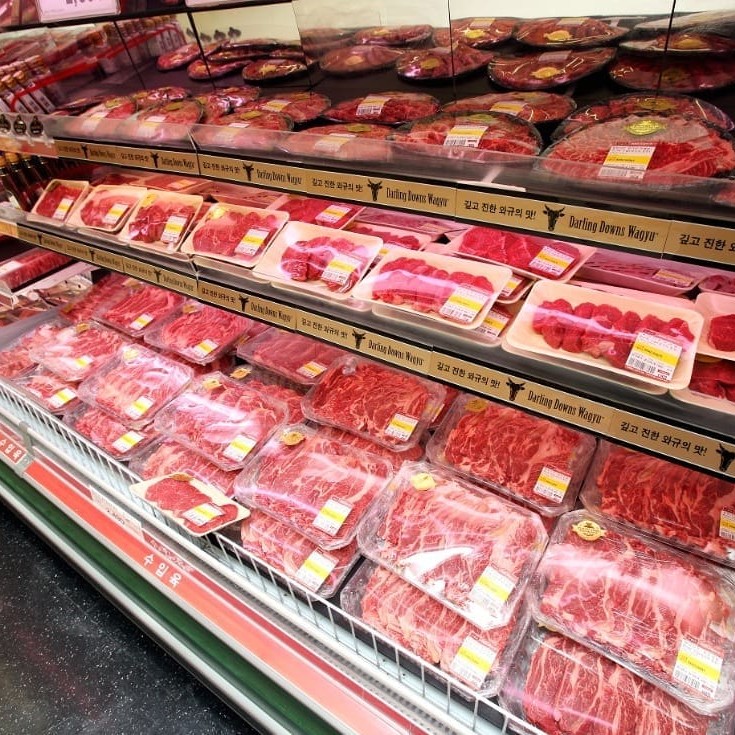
(716, 379)
(105, 209)
(534, 107)
(301, 107)
(58, 199)
(722, 332)
(442, 62)
(358, 60)
(229, 55)
(133, 312)
(682, 43)
(475, 32)
(568, 32)
(29, 266)
(155, 97)
(406, 240)
(183, 56)
(517, 250)
(290, 397)
(200, 71)
(387, 108)
(394, 35)
(546, 69)
(319, 211)
(273, 70)
(317, 41)
(149, 222)
(349, 141)
(396, 459)
(666, 148)
(719, 283)
(672, 75)
(224, 101)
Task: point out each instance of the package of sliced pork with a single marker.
(107, 207)
(135, 385)
(301, 107)
(388, 406)
(343, 141)
(15, 355)
(561, 687)
(408, 617)
(485, 441)
(29, 266)
(58, 200)
(696, 512)
(296, 357)
(133, 310)
(475, 32)
(533, 107)
(664, 614)
(250, 130)
(469, 549)
(385, 108)
(55, 394)
(568, 32)
(355, 60)
(667, 74)
(314, 484)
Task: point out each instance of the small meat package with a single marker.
(15, 356)
(83, 308)
(654, 343)
(222, 419)
(564, 688)
(50, 391)
(133, 311)
(28, 266)
(410, 618)
(665, 615)
(314, 484)
(387, 406)
(58, 200)
(106, 208)
(685, 508)
(718, 335)
(465, 547)
(195, 506)
(533, 460)
(300, 359)
(271, 384)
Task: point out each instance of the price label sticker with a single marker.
(554, 57)
(203, 514)
(509, 107)
(114, 213)
(333, 214)
(401, 427)
(311, 369)
(511, 285)
(141, 322)
(372, 105)
(482, 23)
(675, 279)
(315, 570)
(205, 348)
(698, 668)
(331, 516)
(333, 142)
(252, 241)
(552, 484)
(127, 441)
(83, 362)
(155, 119)
(464, 304)
(473, 662)
(627, 161)
(494, 323)
(654, 355)
(9, 267)
(552, 261)
(276, 105)
(340, 269)
(62, 397)
(139, 407)
(239, 448)
(727, 524)
(492, 590)
(465, 135)
(63, 208)
(174, 228)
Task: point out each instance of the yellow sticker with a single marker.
(473, 662)
(239, 448)
(83, 362)
(546, 72)
(241, 372)
(558, 36)
(211, 383)
(464, 304)
(315, 570)
(331, 516)
(130, 353)
(141, 322)
(645, 127)
(552, 484)
(727, 524)
(62, 397)
(698, 668)
(401, 427)
(476, 405)
(654, 356)
(139, 407)
(205, 347)
(126, 442)
(63, 208)
(423, 481)
(588, 530)
(292, 438)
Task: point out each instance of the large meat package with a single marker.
(680, 505)
(222, 419)
(665, 615)
(324, 212)
(654, 150)
(442, 62)
(546, 69)
(314, 484)
(50, 391)
(387, 406)
(135, 385)
(197, 507)
(655, 343)
(250, 130)
(114, 108)
(665, 74)
(15, 356)
(108, 434)
(475, 32)
(467, 548)
(683, 43)
(568, 32)
(234, 233)
(83, 308)
(354, 60)
(133, 311)
(533, 107)
(78, 350)
(394, 35)
(564, 688)
(29, 266)
(718, 335)
(445, 289)
(539, 462)
(59, 198)
(166, 122)
(166, 456)
(299, 358)
(301, 107)
(410, 618)
(107, 207)
(345, 141)
(387, 108)
(470, 135)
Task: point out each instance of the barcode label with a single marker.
(333, 213)
(727, 525)
(466, 135)
(473, 662)
(114, 213)
(62, 397)
(401, 427)
(372, 105)
(139, 407)
(331, 516)
(141, 322)
(464, 304)
(315, 570)
(205, 347)
(490, 593)
(654, 355)
(494, 323)
(340, 269)
(332, 143)
(239, 448)
(311, 369)
(676, 279)
(203, 514)
(698, 668)
(63, 209)
(552, 484)
(552, 261)
(175, 225)
(511, 286)
(127, 441)
(252, 241)
(627, 161)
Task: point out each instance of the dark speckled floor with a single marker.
(71, 664)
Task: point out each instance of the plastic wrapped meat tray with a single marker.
(135, 385)
(467, 548)
(536, 461)
(135, 311)
(313, 484)
(411, 619)
(533, 107)
(665, 615)
(323, 212)
(441, 63)
(29, 266)
(273, 70)
(107, 207)
(167, 122)
(685, 76)
(683, 43)
(15, 357)
(183, 56)
(406, 35)
(58, 199)
(301, 107)
(82, 309)
(475, 32)
(344, 141)
(354, 60)
(385, 108)
(568, 32)
(251, 130)
(387, 406)
(50, 391)
(274, 386)
(222, 419)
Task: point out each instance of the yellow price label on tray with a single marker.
(205, 347)
(174, 227)
(727, 524)
(495, 584)
(551, 261)
(401, 427)
(552, 484)
(311, 369)
(127, 441)
(510, 107)
(83, 361)
(114, 213)
(473, 661)
(698, 667)
(139, 407)
(654, 355)
(63, 208)
(239, 448)
(331, 516)
(62, 397)
(315, 570)
(141, 322)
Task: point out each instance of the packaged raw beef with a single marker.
(201, 71)
(135, 385)
(50, 391)
(715, 378)
(150, 98)
(682, 43)
(15, 356)
(653, 150)
(183, 56)
(254, 129)
(134, 310)
(222, 419)
(568, 32)
(472, 136)
(564, 688)
(313, 484)
(475, 32)
(274, 386)
(539, 462)
(107, 207)
(167, 122)
(354, 60)
(387, 108)
(718, 284)
(301, 359)
(394, 35)
(530, 70)
(197, 507)
(80, 104)
(387, 406)
(470, 550)
(442, 62)
(114, 108)
(301, 107)
(643, 104)
(664, 74)
(273, 70)
(29, 266)
(234, 234)
(317, 41)
(392, 237)
(410, 618)
(59, 198)
(533, 107)
(78, 350)
(718, 335)
(406, 221)
(348, 141)
(665, 615)
(82, 308)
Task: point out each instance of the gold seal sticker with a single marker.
(476, 405)
(217, 212)
(359, 128)
(82, 327)
(558, 36)
(130, 353)
(690, 43)
(546, 72)
(211, 383)
(588, 530)
(189, 309)
(353, 60)
(241, 372)
(148, 199)
(181, 477)
(430, 63)
(268, 68)
(645, 127)
(423, 481)
(249, 115)
(653, 104)
(474, 33)
(292, 438)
